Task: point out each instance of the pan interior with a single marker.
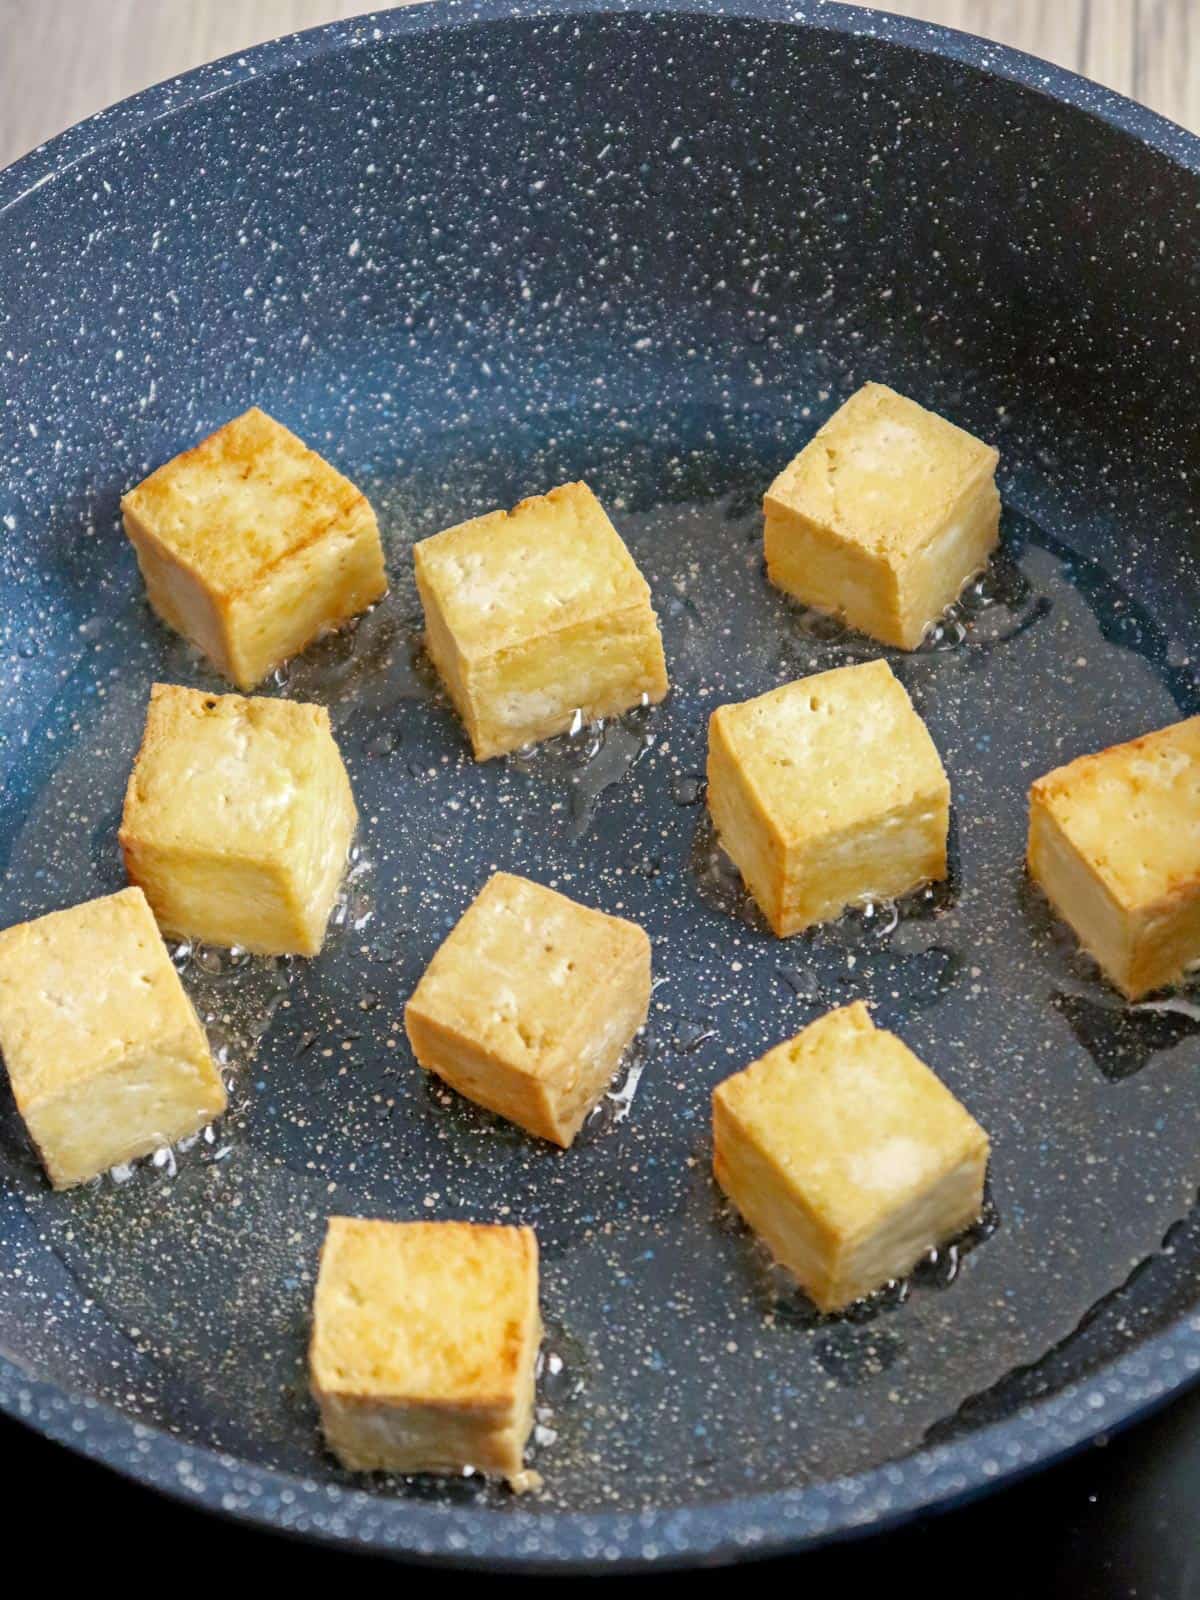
(662, 288)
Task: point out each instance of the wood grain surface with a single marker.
(60, 60)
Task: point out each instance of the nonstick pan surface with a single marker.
(470, 252)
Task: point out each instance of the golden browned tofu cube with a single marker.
(529, 1004)
(238, 820)
(106, 1057)
(251, 546)
(884, 516)
(536, 614)
(847, 1156)
(1114, 841)
(826, 792)
(424, 1345)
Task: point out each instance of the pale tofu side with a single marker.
(1114, 843)
(883, 517)
(595, 669)
(828, 791)
(932, 577)
(106, 1057)
(251, 546)
(424, 1346)
(529, 1004)
(536, 614)
(847, 1156)
(748, 832)
(238, 819)
(312, 592)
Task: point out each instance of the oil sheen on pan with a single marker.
(455, 269)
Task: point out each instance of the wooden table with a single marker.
(60, 60)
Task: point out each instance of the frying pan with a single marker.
(470, 251)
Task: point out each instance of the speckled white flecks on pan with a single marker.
(654, 252)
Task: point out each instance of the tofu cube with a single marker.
(106, 1057)
(847, 1156)
(529, 1004)
(251, 546)
(536, 614)
(424, 1345)
(884, 516)
(826, 792)
(238, 820)
(1114, 842)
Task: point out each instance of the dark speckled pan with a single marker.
(470, 251)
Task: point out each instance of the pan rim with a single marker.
(727, 1530)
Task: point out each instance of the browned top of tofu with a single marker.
(242, 500)
(883, 472)
(523, 968)
(852, 1119)
(82, 989)
(425, 1311)
(832, 752)
(232, 776)
(552, 562)
(1133, 812)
